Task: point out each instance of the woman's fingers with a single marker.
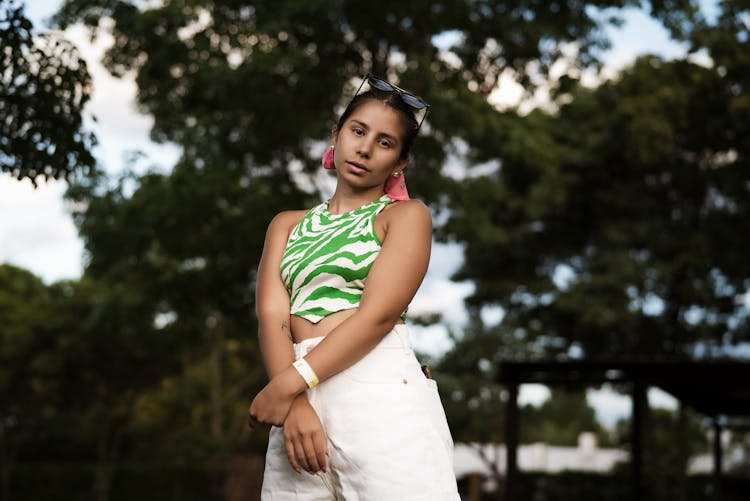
(299, 454)
(268, 407)
(251, 421)
(310, 454)
(291, 454)
(308, 451)
(304, 437)
(321, 449)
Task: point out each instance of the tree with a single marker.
(44, 87)
(640, 207)
(256, 85)
(671, 437)
(248, 92)
(186, 244)
(615, 232)
(77, 356)
(561, 419)
(476, 405)
(22, 297)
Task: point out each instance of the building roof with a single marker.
(712, 387)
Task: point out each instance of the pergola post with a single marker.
(475, 487)
(717, 460)
(683, 451)
(512, 487)
(636, 439)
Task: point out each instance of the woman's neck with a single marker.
(346, 200)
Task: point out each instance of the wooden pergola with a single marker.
(719, 389)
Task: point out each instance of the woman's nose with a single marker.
(365, 147)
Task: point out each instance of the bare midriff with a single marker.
(304, 329)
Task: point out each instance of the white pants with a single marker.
(387, 433)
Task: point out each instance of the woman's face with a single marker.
(369, 144)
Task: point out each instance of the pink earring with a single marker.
(395, 187)
(328, 159)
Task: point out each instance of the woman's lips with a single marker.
(357, 168)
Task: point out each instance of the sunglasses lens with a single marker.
(413, 101)
(380, 84)
(409, 99)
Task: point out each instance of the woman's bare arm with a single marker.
(272, 299)
(392, 282)
(304, 437)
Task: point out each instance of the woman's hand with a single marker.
(304, 438)
(271, 405)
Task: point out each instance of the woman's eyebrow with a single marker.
(361, 124)
(367, 127)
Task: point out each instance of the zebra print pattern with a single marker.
(327, 259)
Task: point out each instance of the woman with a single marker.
(348, 399)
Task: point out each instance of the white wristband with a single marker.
(306, 372)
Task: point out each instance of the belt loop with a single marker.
(403, 337)
(303, 347)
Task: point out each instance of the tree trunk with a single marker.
(216, 368)
(216, 327)
(103, 473)
(102, 481)
(108, 451)
(4, 464)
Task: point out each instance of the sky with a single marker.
(37, 233)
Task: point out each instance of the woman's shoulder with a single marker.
(283, 222)
(411, 207)
(407, 212)
(289, 216)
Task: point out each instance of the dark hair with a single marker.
(394, 101)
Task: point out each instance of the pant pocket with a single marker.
(436, 412)
(382, 366)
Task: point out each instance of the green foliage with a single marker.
(187, 244)
(669, 441)
(637, 188)
(25, 369)
(740, 445)
(476, 405)
(249, 86)
(560, 420)
(77, 358)
(132, 481)
(641, 205)
(466, 375)
(608, 487)
(44, 86)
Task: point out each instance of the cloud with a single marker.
(432, 340)
(119, 126)
(438, 294)
(610, 406)
(36, 232)
(534, 394)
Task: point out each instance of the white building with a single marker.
(477, 458)
(539, 457)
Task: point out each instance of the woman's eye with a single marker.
(358, 131)
(385, 143)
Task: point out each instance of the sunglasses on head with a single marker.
(407, 97)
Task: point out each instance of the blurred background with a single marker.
(586, 164)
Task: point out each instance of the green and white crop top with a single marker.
(327, 259)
